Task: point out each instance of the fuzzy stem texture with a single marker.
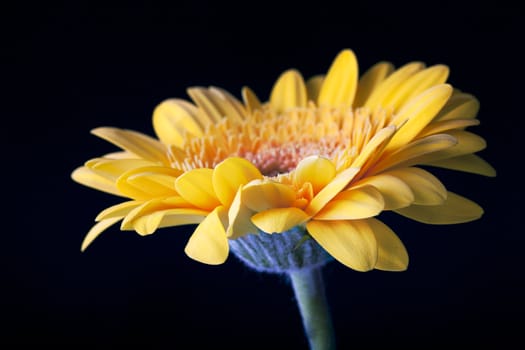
(308, 286)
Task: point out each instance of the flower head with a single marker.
(326, 155)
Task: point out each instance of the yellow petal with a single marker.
(340, 84)
(239, 218)
(416, 84)
(358, 203)
(148, 224)
(208, 110)
(114, 168)
(395, 192)
(390, 84)
(208, 244)
(262, 195)
(330, 191)
(118, 210)
(469, 163)
(151, 206)
(134, 142)
(316, 170)
(288, 92)
(313, 86)
(418, 113)
(96, 230)
(196, 187)
(459, 106)
(374, 147)
(391, 253)
(415, 152)
(456, 209)
(250, 99)
(230, 106)
(427, 189)
(370, 80)
(279, 220)
(446, 125)
(229, 175)
(173, 118)
(87, 177)
(147, 182)
(352, 243)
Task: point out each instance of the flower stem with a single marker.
(310, 295)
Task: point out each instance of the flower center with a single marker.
(276, 143)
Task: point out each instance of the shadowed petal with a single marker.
(370, 80)
(395, 192)
(352, 243)
(459, 106)
(262, 195)
(208, 244)
(427, 189)
(96, 230)
(278, 220)
(313, 86)
(391, 253)
(358, 203)
(239, 218)
(455, 210)
(89, 178)
(469, 163)
(196, 187)
(173, 118)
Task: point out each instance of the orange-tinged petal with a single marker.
(139, 144)
(278, 220)
(358, 203)
(172, 119)
(454, 210)
(418, 113)
(352, 243)
(331, 190)
(89, 178)
(427, 189)
(313, 86)
(395, 192)
(390, 84)
(391, 253)
(239, 218)
(370, 80)
(229, 175)
(96, 230)
(209, 244)
(288, 92)
(340, 84)
(459, 106)
(196, 187)
(262, 195)
(469, 163)
(318, 171)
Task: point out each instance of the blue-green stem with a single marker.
(308, 286)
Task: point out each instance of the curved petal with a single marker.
(288, 92)
(455, 210)
(391, 253)
(196, 187)
(239, 218)
(390, 84)
(373, 149)
(118, 210)
(114, 168)
(340, 84)
(96, 230)
(172, 119)
(358, 203)
(134, 142)
(208, 244)
(229, 175)
(250, 99)
(352, 243)
(418, 113)
(370, 80)
(459, 106)
(262, 195)
(470, 163)
(395, 192)
(318, 171)
(278, 220)
(148, 182)
(331, 190)
(148, 224)
(313, 86)
(427, 189)
(89, 178)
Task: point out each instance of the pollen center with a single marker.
(276, 143)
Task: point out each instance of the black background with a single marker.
(69, 67)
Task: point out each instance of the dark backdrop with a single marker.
(73, 66)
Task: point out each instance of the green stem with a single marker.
(310, 295)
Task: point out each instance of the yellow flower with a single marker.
(328, 155)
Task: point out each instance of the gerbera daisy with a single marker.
(298, 180)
